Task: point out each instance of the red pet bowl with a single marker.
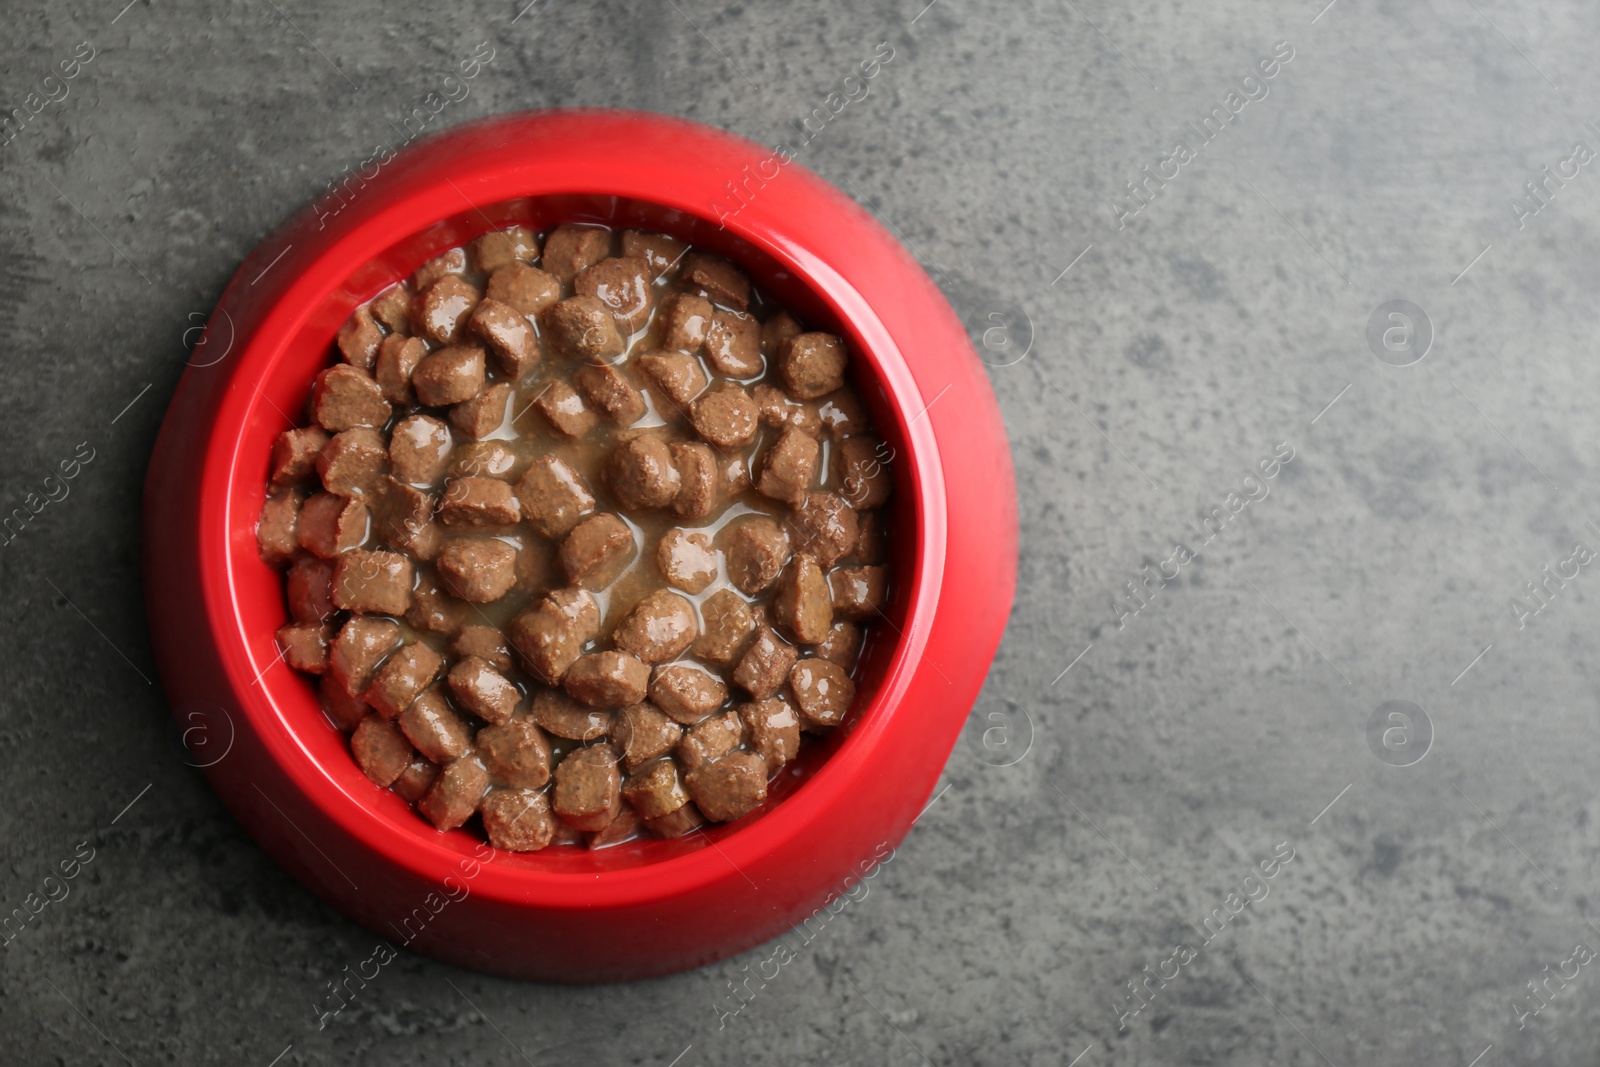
(647, 907)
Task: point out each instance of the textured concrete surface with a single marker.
(1095, 819)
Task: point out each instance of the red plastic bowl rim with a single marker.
(357, 245)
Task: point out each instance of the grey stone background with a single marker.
(1091, 820)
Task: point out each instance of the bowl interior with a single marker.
(283, 382)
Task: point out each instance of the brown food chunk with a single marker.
(501, 248)
(825, 527)
(569, 249)
(310, 590)
(481, 416)
(843, 644)
(596, 550)
(861, 465)
(344, 397)
(728, 625)
(392, 307)
(622, 284)
(353, 463)
(685, 319)
(699, 488)
(373, 583)
(442, 309)
(433, 609)
(805, 417)
(559, 714)
(452, 261)
(736, 473)
(822, 691)
(622, 826)
(332, 524)
(771, 729)
(588, 788)
(812, 365)
(841, 414)
(608, 679)
(565, 410)
(677, 823)
(478, 502)
(777, 331)
(687, 559)
(550, 637)
(518, 820)
(726, 416)
(305, 645)
(871, 546)
(419, 449)
(687, 694)
(484, 691)
(402, 677)
(732, 786)
(581, 327)
(641, 733)
(733, 344)
(278, 531)
(361, 645)
(534, 570)
(359, 339)
(656, 790)
(403, 517)
(678, 376)
(657, 249)
(660, 627)
(778, 410)
(718, 279)
(454, 794)
(437, 729)
(790, 466)
(608, 390)
(804, 604)
(764, 667)
(859, 592)
(757, 549)
(449, 376)
(485, 459)
(641, 473)
(398, 359)
(508, 335)
(525, 290)
(415, 779)
(517, 753)
(535, 567)
(294, 456)
(344, 708)
(485, 642)
(555, 496)
(381, 750)
(710, 739)
(479, 570)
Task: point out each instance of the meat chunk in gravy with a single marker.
(454, 794)
(730, 787)
(588, 788)
(660, 627)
